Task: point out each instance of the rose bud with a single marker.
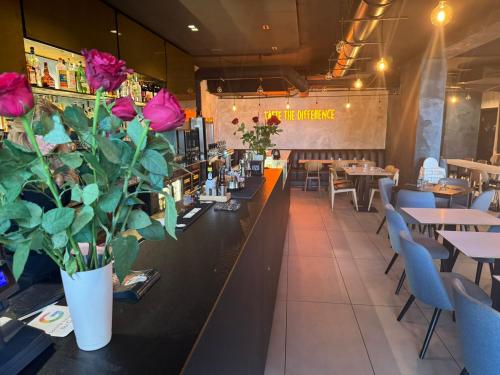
(16, 98)
(104, 70)
(235, 121)
(124, 108)
(273, 120)
(255, 119)
(164, 112)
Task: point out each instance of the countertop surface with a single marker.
(157, 334)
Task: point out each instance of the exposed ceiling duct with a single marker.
(255, 72)
(359, 32)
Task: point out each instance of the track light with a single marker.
(381, 65)
(358, 84)
(442, 14)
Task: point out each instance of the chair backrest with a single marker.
(396, 225)
(415, 199)
(454, 181)
(430, 163)
(313, 166)
(495, 229)
(423, 278)
(482, 202)
(385, 187)
(395, 177)
(477, 324)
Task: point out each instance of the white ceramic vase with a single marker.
(90, 300)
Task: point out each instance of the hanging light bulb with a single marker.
(442, 14)
(288, 103)
(329, 76)
(234, 105)
(381, 65)
(358, 83)
(453, 99)
(260, 89)
(468, 96)
(219, 89)
(348, 103)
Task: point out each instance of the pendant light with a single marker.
(348, 103)
(442, 14)
(358, 84)
(288, 103)
(381, 65)
(234, 104)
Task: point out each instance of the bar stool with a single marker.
(312, 167)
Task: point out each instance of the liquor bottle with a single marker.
(125, 88)
(71, 72)
(62, 75)
(30, 66)
(136, 89)
(144, 89)
(47, 80)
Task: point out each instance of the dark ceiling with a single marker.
(304, 31)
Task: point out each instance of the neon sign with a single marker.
(302, 114)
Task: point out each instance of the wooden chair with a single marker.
(339, 186)
(313, 168)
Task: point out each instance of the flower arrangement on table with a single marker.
(259, 138)
(104, 203)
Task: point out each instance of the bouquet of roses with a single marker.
(104, 204)
(259, 139)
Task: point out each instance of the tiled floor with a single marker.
(336, 309)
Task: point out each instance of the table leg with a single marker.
(363, 192)
(447, 264)
(450, 202)
(495, 287)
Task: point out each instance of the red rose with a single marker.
(273, 120)
(124, 108)
(255, 119)
(16, 98)
(164, 112)
(104, 70)
(235, 121)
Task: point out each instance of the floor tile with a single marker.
(275, 364)
(283, 280)
(324, 338)
(309, 242)
(394, 346)
(315, 279)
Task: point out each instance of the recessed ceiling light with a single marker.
(115, 32)
(195, 29)
(266, 27)
(274, 48)
(192, 26)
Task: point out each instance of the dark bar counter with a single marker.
(211, 312)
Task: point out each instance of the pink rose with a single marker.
(124, 108)
(16, 98)
(104, 70)
(164, 112)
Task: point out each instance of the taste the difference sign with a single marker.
(302, 114)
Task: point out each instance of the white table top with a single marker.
(360, 171)
(474, 244)
(451, 216)
(332, 161)
(493, 169)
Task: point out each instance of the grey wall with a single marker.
(461, 127)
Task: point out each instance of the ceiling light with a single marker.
(329, 76)
(358, 84)
(347, 105)
(288, 103)
(192, 26)
(453, 99)
(219, 89)
(381, 65)
(274, 49)
(442, 14)
(339, 46)
(115, 32)
(194, 30)
(266, 27)
(260, 89)
(468, 96)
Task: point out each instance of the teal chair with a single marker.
(430, 286)
(478, 325)
(414, 199)
(385, 186)
(396, 225)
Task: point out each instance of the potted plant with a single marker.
(259, 138)
(86, 238)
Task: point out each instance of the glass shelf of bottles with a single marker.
(55, 72)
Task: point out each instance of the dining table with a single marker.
(331, 161)
(448, 219)
(479, 245)
(474, 165)
(364, 177)
(447, 192)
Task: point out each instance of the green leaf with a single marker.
(59, 240)
(138, 219)
(132, 201)
(14, 210)
(84, 235)
(37, 239)
(4, 226)
(57, 219)
(109, 149)
(76, 118)
(13, 184)
(134, 131)
(58, 135)
(43, 125)
(71, 159)
(21, 253)
(154, 162)
(170, 215)
(157, 181)
(125, 251)
(83, 217)
(125, 151)
(35, 217)
(90, 193)
(109, 201)
(70, 265)
(76, 193)
(154, 232)
(110, 124)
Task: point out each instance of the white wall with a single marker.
(363, 126)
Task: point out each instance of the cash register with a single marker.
(20, 344)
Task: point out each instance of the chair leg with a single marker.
(406, 307)
(455, 256)
(372, 194)
(355, 197)
(430, 331)
(394, 257)
(333, 198)
(464, 372)
(307, 178)
(381, 225)
(401, 281)
(491, 268)
(479, 269)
